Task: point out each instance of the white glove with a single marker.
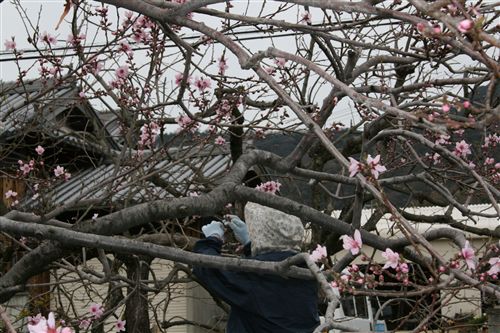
(214, 229)
(240, 229)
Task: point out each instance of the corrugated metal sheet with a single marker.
(17, 115)
(125, 184)
(36, 107)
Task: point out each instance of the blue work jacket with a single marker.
(261, 303)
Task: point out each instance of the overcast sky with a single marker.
(49, 11)
(11, 24)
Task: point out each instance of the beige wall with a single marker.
(465, 301)
(169, 304)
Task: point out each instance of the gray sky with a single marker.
(11, 24)
(49, 11)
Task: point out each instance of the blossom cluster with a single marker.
(372, 166)
(149, 132)
(319, 253)
(269, 187)
(28, 171)
(353, 277)
(352, 244)
(39, 324)
(187, 123)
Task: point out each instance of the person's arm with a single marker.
(210, 245)
(233, 287)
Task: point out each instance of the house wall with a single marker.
(466, 301)
(202, 309)
(74, 298)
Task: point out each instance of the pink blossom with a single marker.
(39, 150)
(446, 108)
(491, 139)
(126, 48)
(260, 133)
(140, 22)
(489, 161)
(140, 36)
(374, 165)
(443, 139)
(96, 310)
(269, 187)
(59, 171)
(465, 26)
(10, 194)
(10, 44)
(149, 132)
(75, 40)
(202, 83)
(466, 104)
(39, 327)
(26, 167)
(468, 254)
(187, 123)
(67, 176)
(85, 323)
(436, 158)
(354, 167)
(280, 62)
(353, 244)
(319, 253)
(179, 77)
(120, 325)
(48, 38)
(103, 11)
(404, 267)
(497, 166)
(306, 17)
(129, 14)
(224, 109)
(47, 326)
(220, 141)
(462, 149)
(495, 266)
(122, 72)
(421, 26)
(436, 28)
(391, 257)
(222, 65)
(95, 66)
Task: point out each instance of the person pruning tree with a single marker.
(260, 302)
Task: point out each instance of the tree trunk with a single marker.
(136, 306)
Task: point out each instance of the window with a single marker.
(354, 306)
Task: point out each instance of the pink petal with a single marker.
(357, 237)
